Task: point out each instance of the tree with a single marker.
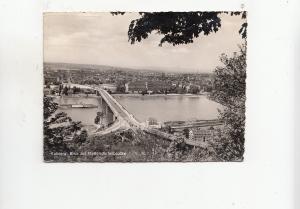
(98, 118)
(60, 89)
(81, 138)
(178, 27)
(194, 89)
(144, 92)
(186, 132)
(176, 149)
(65, 90)
(170, 131)
(57, 128)
(121, 88)
(230, 91)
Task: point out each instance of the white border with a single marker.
(264, 180)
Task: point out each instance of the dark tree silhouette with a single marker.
(186, 132)
(81, 138)
(178, 27)
(57, 128)
(230, 91)
(98, 117)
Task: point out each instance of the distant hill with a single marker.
(73, 66)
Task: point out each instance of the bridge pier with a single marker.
(101, 101)
(108, 113)
(113, 111)
(106, 109)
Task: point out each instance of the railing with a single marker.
(107, 102)
(130, 116)
(124, 109)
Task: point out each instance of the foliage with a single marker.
(230, 91)
(121, 88)
(81, 138)
(49, 107)
(194, 89)
(178, 27)
(65, 90)
(230, 79)
(202, 154)
(186, 132)
(98, 117)
(76, 90)
(57, 129)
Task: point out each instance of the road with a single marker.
(117, 125)
(118, 109)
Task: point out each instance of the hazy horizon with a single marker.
(160, 69)
(101, 39)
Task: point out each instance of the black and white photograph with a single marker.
(144, 86)
(137, 104)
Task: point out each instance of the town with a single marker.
(124, 80)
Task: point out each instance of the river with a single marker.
(170, 107)
(85, 115)
(161, 107)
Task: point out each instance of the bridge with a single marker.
(120, 118)
(119, 112)
(117, 116)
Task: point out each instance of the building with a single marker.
(204, 135)
(137, 86)
(50, 79)
(153, 123)
(110, 87)
(158, 86)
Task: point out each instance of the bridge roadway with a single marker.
(122, 114)
(124, 118)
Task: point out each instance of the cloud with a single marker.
(100, 38)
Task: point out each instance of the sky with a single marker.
(100, 38)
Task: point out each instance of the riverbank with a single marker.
(159, 95)
(126, 95)
(74, 96)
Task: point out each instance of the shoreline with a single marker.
(128, 95)
(158, 95)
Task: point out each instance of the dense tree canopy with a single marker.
(58, 128)
(230, 79)
(178, 27)
(230, 91)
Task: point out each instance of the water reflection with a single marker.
(161, 107)
(169, 108)
(85, 115)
